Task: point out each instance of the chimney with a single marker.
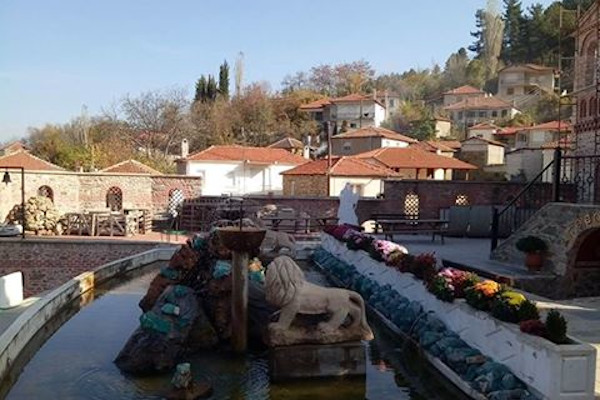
(306, 150)
(185, 148)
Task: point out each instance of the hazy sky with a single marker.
(56, 56)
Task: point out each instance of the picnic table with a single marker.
(104, 222)
(298, 223)
(399, 224)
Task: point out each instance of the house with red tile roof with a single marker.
(461, 93)
(482, 152)
(328, 178)
(473, 111)
(516, 81)
(537, 136)
(437, 147)
(416, 163)
(238, 170)
(13, 147)
(367, 139)
(131, 167)
(290, 144)
(353, 111)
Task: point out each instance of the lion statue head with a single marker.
(283, 279)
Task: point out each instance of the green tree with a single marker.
(455, 72)
(477, 46)
(224, 80)
(512, 50)
(211, 88)
(200, 89)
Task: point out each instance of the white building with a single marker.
(239, 170)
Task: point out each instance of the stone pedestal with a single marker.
(317, 361)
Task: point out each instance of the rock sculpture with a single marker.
(287, 288)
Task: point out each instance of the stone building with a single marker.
(93, 191)
(367, 139)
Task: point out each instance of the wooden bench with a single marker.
(402, 224)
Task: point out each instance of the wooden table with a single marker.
(300, 224)
(391, 227)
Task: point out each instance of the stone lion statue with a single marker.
(287, 288)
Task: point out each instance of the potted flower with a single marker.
(534, 248)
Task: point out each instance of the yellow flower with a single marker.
(488, 288)
(514, 298)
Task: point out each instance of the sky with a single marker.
(57, 57)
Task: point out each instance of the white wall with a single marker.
(495, 155)
(371, 186)
(393, 143)
(484, 133)
(380, 114)
(529, 161)
(237, 177)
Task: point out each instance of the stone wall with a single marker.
(47, 263)
(74, 192)
(305, 185)
(563, 227)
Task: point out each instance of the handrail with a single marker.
(526, 188)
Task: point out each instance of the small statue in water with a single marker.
(184, 387)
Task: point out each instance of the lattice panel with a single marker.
(114, 199)
(175, 201)
(411, 205)
(462, 200)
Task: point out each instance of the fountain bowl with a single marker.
(246, 239)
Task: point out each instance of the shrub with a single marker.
(556, 327)
(506, 306)
(531, 244)
(528, 311)
(395, 259)
(482, 294)
(441, 288)
(424, 266)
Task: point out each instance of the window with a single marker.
(482, 114)
(319, 116)
(392, 103)
(411, 206)
(46, 191)
(175, 202)
(494, 114)
(582, 109)
(462, 200)
(114, 199)
(592, 106)
(470, 114)
(460, 115)
(510, 91)
(358, 189)
(504, 113)
(353, 125)
(522, 137)
(347, 147)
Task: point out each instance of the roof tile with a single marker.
(262, 155)
(375, 132)
(342, 166)
(24, 159)
(131, 167)
(411, 158)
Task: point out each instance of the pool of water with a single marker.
(76, 362)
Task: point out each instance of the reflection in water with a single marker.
(77, 362)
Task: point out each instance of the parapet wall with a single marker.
(48, 263)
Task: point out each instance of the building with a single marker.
(415, 163)
(318, 179)
(461, 93)
(473, 111)
(390, 100)
(350, 112)
(486, 130)
(13, 147)
(93, 191)
(436, 147)
(290, 144)
(367, 139)
(443, 127)
(131, 167)
(517, 82)
(239, 170)
(482, 152)
(539, 135)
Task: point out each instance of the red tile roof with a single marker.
(453, 144)
(565, 126)
(342, 166)
(412, 158)
(466, 89)
(374, 132)
(131, 167)
(485, 125)
(23, 159)
(259, 155)
(531, 67)
(494, 142)
(566, 142)
(287, 143)
(480, 103)
(314, 105)
(433, 146)
(13, 146)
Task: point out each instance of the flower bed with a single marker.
(456, 298)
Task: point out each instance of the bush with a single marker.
(533, 327)
(556, 327)
(531, 244)
(528, 311)
(482, 295)
(424, 266)
(395, 259)
(504, 311)
(440, 287)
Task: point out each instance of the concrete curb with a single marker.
(16, 337)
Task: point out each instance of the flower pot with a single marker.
(534, 261)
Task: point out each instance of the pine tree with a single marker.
(224, 80)
(211, 89)
(512, 49)
(477, 46)
(200, 89)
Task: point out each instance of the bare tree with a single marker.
(493, 34)
(239, 73)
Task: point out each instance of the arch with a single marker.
(593, 109)
(176, 198)
(590, 63)
(411, 205)
(462, 200)
(114, 198)
(46, 191)
(582, 109)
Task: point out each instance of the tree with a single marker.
(477, 46)
(512, 49)
(455, 72)
(297, 81)
(239, 73)
(211, 89)
(224, 80)
(492, 38)
(200, 89)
